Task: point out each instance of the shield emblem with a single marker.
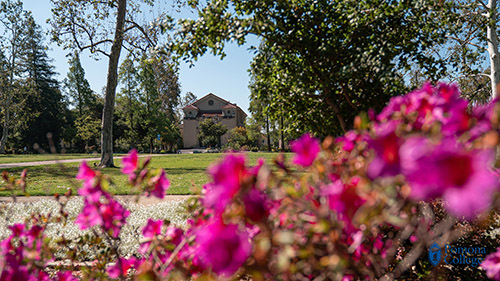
(435, 254)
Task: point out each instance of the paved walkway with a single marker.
(130, 198)
(51, 162)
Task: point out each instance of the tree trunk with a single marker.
(5, 132)
(112, 80)
(282, 137)
(336, 110)
(493, 48)
(268, 136)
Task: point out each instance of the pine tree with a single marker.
(78, 88)
(47, 104)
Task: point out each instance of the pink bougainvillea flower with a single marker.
(130, 162)
(429, 104)
(109, 214)
(492, 265)
(121, 267)
(160, 185)
(222, 247)
(17, 255)
(344, 199)
(386, 145)
(85, 172)
(152, 229)
(114, 216)
(463, 178)
(418, 102)
(227, 177)
(89, 216)
(66, 276)
(256, 205)
(349, 140)
(306, 150)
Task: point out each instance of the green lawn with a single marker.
(182, 169)
(20, 158)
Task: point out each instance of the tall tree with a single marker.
(77, 86)
(128, 101)
(159, 97)
(13, 19)
(83, 25)
(47, 104)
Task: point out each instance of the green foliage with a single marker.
(15, 89)
(210, 133)
(238, 138)
(47, 103)
(147, 103)
(321, 60)
(88, 129)
(78, 88)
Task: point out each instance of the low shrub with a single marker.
(403, 195)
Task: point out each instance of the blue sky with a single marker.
(227, 78)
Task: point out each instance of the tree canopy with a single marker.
(329, 59)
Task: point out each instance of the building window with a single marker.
(210, 102)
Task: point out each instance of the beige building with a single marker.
(210, 106)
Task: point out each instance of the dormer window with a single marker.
(210, 102)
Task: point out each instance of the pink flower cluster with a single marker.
(435, 165)
(156, 186)
(22, 256)
(334, 219)
(99, 207)
(492, 265)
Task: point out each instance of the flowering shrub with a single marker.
(365, 205)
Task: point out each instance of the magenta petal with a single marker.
(223, 248)
(152, 228)
(306, 150)
(161, 184)
(85, 172)
(492, 265)
(130, 162)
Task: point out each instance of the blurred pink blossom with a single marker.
(130, 162)
(227, 177)
(306, 150)
(222, 247)
(492, 265)
(160, 185)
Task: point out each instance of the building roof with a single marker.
(229, 106)
(211, 95)
(191, 107)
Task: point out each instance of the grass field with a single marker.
(183, 170)
(16, 158)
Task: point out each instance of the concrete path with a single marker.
(51, 162)
(125, 198)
